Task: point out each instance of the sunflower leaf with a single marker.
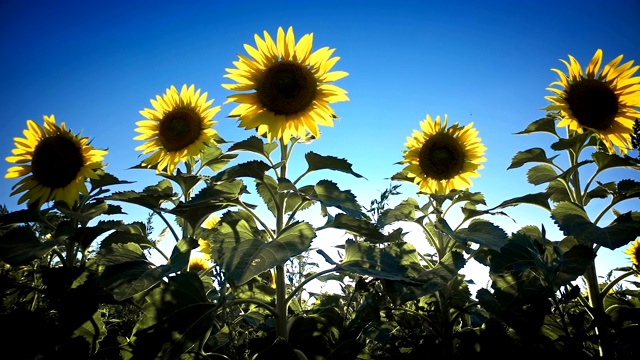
(541, 174)
(151, 197)
(105, 179)
(531, 155)
(255, 169)
(546, 124)
(602, 191)
(481, 232)
(574, 221)
(319, 162)
(540, 199)
(242, 257)
(267, 188)
(405, 211)
(125, 271)
(396, 261)
(20, 245)
(356, 226)
(328, 194)
(213, 157)
(135, 232)
(185, 180)
(256, 145)
(606, 161)
(626, 189)
(572, 142)
(214, 197)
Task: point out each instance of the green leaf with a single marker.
(602, 191)
(319, 162)
(430, 280)
(151, 197)
(93, 331)
(573, 264)
(606, 161)
(255, 169)
(255, 145)
(180, 254)
(626, 189)
(125, 271)
(356, 226)
(329, 195)
(213, 157)
(267, 189)
(558, 191)
(481, 232)
(184, 180)
(573, 142)
(135, 232)
(19, 246)
(88, 212)
(546, 124)
(396, 261)
(574, 221)
(84, 236)
(242, 257)
(177, 318)
(405, 211)
(28, 215)
(540, 199)
(541, 174)
(212, 198)
(105, 179)
(531, 155)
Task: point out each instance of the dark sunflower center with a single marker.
(441, 157)
(287, 88)
(56, 161)
(180, 128)
(593, 103)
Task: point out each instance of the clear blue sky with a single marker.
(96, 64)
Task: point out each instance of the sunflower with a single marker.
(198, 261)
(291, 87)
(604, 101)
(55, 163)
(178, 127)
(442, 159)
(634, 252)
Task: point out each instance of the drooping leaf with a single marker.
(256, 145)
(541, 174)
(606, 161)
(186, 181)
(125, 271)
(152, 197)
(396, 261)
(28, 215)
(539, 199)
(329, 195)
(212, 198)
(104, 180)
(243, 256)
(255, 169)
(319, 162)
(214, 158)
(573, 264)
(268, 190)
(177, 317)
(89, 211)
(92, 331)
(536, 155)
(546, 124)
(405, 211)
(19, 246)
(86, 235)
(357, 226)
(601, 191)
(479, 231)
(574, 221)
(626, 189)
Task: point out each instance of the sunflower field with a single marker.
(78, 282)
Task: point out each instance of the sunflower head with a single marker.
(440, 158)
(54, 163)
(604, 101)
(178, 127)
(286, 88)
(634, 253)
(198, 261)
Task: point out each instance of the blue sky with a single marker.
(96, 64)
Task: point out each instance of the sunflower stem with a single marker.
(281, 281)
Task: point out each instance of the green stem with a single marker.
(613, 283)
(281, 281)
